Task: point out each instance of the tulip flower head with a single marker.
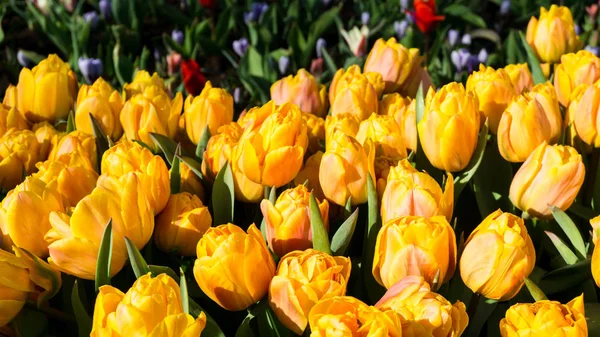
(302, 90)
(574, 70)
(553, 34)
(212, 108)
(520, 76)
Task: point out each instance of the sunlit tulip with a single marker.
(190, 182)
(24, 276)
(403, 111)
(141, 82)
(357, 97)
(302, 90)
(279, 142)
(76, 141)
(47, 136)
(104, 103)
(595, 223)
(545, 94)
(254, 118)
(304, 278)
(212, 108)
(19, 152)
(520, 76)
(11, 118)
(584, 111)
(344, 169)
(423, 312)
(11, 97)
(449, 128)
(234, 268)
(46, 92)
(288, 220)
(551, 175)
(497, 257)
(151, 307)
(219, 149)
(553, 34)
(385, 134)
(309, 175)
(346, 123)
(414, 245)
(316, 132)
(494, 92)
(410, 192)
(545, 318)
(342, 78)
(596, 261)
(393, 61)
(575, 69)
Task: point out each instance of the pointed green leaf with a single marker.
(348, 207)
(104, 257)
(329, 61)
(166, 145)
(420, 104)
(343, 235)
(374, 289)
(535, 291)
(70, 123)
(84, 321)
(138, 264)
(569, 227)
(223, 196)
(465, 175)
(534, 62)
(175, 176)
(201, 147)
(245, 329)
(157, 270)
(184, 292)
(101, 141)
(566, 277)
(212, 328)
(193, 165)
(320, 235)
(562, 248)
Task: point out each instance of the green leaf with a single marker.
(569, 227)
(157, 270)
(223, 196)
(184, 292)
(84, 321)
(175, 176)
(166, 145)
(465, 175)
(138, 264)
(592, 313)
(320, 235)
(343, 235)
(329, 61)
(104, 257)
(193, 165)
(123, 65)
(318, 28)
(535, 291)
(562, 248)
(479, 317)
(212, 328)
(30, 323)
(566, 277)
(463, 12)
(201, 147)
(2, 13)
(245, 329)
(582, 211)
(491, 182)
(420, 104)
(374, 289)
(534, 62)
(101, 141)
(297, 42)
(174, 46)
(70, 123)
(267, 323)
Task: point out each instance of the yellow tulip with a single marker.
(279, 142)
(47, 136)
(23, 276)
(413, 245)
(423, 312)
(309, 174)
(403, 111)
(11, 97)
(524, 126)
(393, 61)
(141, 82)
(219, 149)
(181, 224)
(583, 111)
(545, 318)
(551, 175)
(254, 118)
(342, 78)
(346, 316)
(497, 257)
(245, 190)
(190, 182)
(346, 123)
(494, 91)
(357, 97)
(410, 192)
(382, 167)
(127, 157)
(520, 76)
(386, 135)
(553, 34)
(11, 118)
(76, 141)
(212, 108)
(596, 262)
(449, 128)
(151, 111)
(46, 92)
(595, 223)
(302, 90)
(151, 307)
(344, 169)
(575, 69)
(233, 268)
(104, 103)
(288, 220)
(19, 152)
(545, 94)
(316, 132)
(304, 278)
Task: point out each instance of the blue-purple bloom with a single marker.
(400, 27)
(23, 60)
(91, 18)
(177, 36)
(403, 4)
(466, 39)
(460, 58)
(90, 68)
(237, 95)
(257, 9)
(453, 36)
(577, 29)
(482, 56)
(593, 49)
(505, 7)
(365, 17)
(283, 63)
(321, 44)
(105, 8)
(240, 46)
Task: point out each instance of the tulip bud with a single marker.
(304, 278)
(596, 260)
(11, 118)
(575, 69)
(494, 92)
(423, 312)
(151, 307)
(545, 318)
(316, 132)
(545, 94)
(219, 149)
(551, 175)
(393, 61)
(302, 90)
(233, 268)
(386, 135)
(354, 94)
(19, 152)
(212, 108)
(595, 223)
(141, 82)
(288, 222)
(344, 169)
(554, 25)
(450, 126)
(403, 111)
(497, 257)
(571, 136)
(104, 104)
(309, 175)
(520, 76)
(345, 123)
(427, 248)
(585, 110)
(75, 141)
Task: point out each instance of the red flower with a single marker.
(425, 16)
(208, 3)
(193, 79)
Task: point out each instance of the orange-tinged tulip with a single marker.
(342, 78)
(288, 220)
(410, 192)
(11, 118)
(302, 90)
(403, 111)
(596, 262)
(346, 316)
(552, 175)
(520, 76)
(346, 123)
(104, 103)
(414, 245)
(309, 175)
(304, 278)
(584, 112)
(316, 132)
(357, 97)
(419, 76)
(344, 169)
(181, 224)
(141, 82)
(212, 108)
(494, 92)
(450, 126)
(234, 268)
(545, 94)
(253, 118)
(553, 34)
(545, 318)
(151, 307)
(595, 223)
(76, 141)
(219, 149)
(385, 134)
(46, 92)
(571, 136)
(393, 61)
(279, 142)
(497, 257)
(575, 69)
(19, 152)
(423, 312)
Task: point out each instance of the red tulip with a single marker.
(193, 79)
(425, 15)
(208, 3)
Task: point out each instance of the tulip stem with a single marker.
(53, 313)
(472, 309)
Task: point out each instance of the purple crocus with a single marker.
(460, 58)
(257, 9)
(482, 56)
(240, 46)
(365, 17)
(283, 63)
(466, 39)
(177, 36)
(577, 29)
(593, 49)
(23, 60)
(505, 7)
(105, 8)
(400, 27)
(237, 95)
(91, 18)
(403, 4)
(321, 44)
(453, 36)
(90, 68)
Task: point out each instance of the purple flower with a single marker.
(410, 19)
(466, 39)
(400, 27)
(283, 64)
(90, 68)
(105, 8)
(257, 9)
(321, 44)
(237, 95)
(326, 3)
(593, 49)
(505, 7)
(403, 4)
(23, 60)
(365, 17)
(240, 46)
(472, 63)
(482, 56)
(91, 18)
(453, 36)
(577, 29)
(177, 36)
(460, 58)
